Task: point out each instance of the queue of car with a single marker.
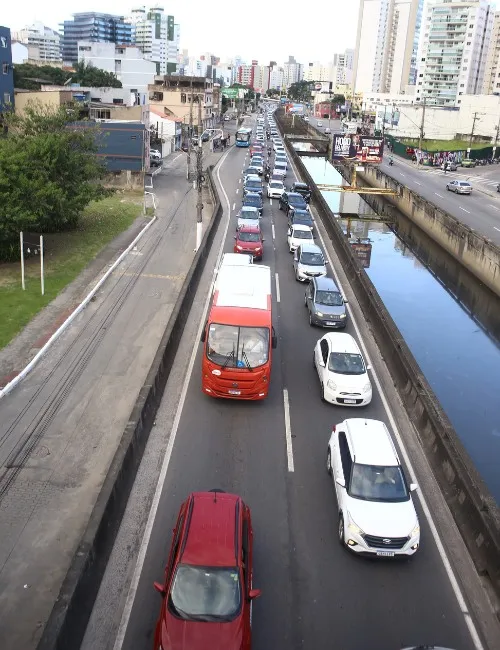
(208, 583)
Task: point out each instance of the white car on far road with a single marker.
(275, 189)
(342, 372)
(377, 516)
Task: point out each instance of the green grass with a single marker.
(444, 145)
(66, 255)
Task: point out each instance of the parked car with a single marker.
(319, 123)
(249, 240)
(292, 200)
(298, 235)
(342, 372)
(247, 215)
(297, 216)
(275, 189)
(459, 187)
(254, 201)
(327, 131)
(308, 262)
(207, 589)
(451, 166)
(303, 189)
(468, 162)
(325, 304)
(376, 514)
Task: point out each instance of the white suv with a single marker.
(376, 512)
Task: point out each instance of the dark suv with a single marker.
(325, 303)
(292, 200)
(303, 189)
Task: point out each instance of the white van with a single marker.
(235, 259)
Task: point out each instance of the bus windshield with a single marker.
(243, 136)
(231, 346)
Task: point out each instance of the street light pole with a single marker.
(421, 134)
(199, 182)
(190, 131)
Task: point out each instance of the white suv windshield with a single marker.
(238, 347)
(377, 483)
(206, 593)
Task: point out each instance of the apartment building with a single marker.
(343, 64)
(125, 61)
(386, 44)
(491, 83)
(43, 43)
(157, 36)
(96, 27)
(453, 50)
(292, 72)
(276, 77)
(6, 70)
(179, 96)
(316, 71)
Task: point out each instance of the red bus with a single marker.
(239, 334)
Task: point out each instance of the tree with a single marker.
(273, 92)
(88, 75)
(299, 91)
(31, 77)
(48, 172)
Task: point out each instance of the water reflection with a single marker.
(449, 320)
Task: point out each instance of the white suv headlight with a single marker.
(331, 384)
(367, 387)
(415, 531)
(353, 526)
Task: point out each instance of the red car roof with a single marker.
(212, 534)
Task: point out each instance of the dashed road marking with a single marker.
(463, 209)
(288, 432)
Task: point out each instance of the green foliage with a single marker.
(273, 92)
(299, 91)
(31, 77)
(48, 173)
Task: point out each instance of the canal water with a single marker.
(454, 337)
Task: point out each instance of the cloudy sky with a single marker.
(274, 30)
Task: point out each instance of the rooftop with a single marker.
(371, 442)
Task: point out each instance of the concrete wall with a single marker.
(51, 98)
(472, 506)
(479, 255)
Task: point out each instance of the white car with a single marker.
(298, 235)
(377, 516)
(342, 372)
(280, 171)
(275, 189)
(319, 123)
(306, 118)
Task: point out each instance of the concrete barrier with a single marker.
(472, 506)
(67, 623)
(474, 251)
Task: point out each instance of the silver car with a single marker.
(308, 262)
(325, 303)
(459, 187)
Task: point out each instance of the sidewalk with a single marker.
(59, 429)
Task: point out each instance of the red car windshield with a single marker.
(206, 593)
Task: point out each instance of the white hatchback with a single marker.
(377, 516)
(342, 372)
(298, 235)
(275, 189)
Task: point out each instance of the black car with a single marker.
(297, 216)
(292, 200)
(254, 200)
(303, 189)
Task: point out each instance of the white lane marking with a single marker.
(441, 197)
(270, 201)
(278, 294)
(439, 544)
(239, 181)
(237, 190)
(401, 174)
(417, 183)
(234, 206)
(288, 432)
(274, 234)
(463, 209)
(141, 556)
(496, 228)
(493, 206)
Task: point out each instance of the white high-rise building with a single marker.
(157, 36)
(385, 45)
(43, 43)
(276, 78)
(491, 83)
(343, 64)
(453, 50)
(317, 71)
(292, 72)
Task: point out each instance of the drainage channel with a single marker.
(450, 322)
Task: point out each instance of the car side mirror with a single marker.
(368, 367)
(340, 481)
(346, 302)
(235, 237)
(160, 588)
(254, 593)
(326, 262)
(413, 487)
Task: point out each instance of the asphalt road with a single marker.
(315, 595)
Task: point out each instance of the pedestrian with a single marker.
(223, 143)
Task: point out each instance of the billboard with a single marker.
(323, 86)
(363, 251)
(230, 93)
(363, 148)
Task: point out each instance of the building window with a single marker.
(468, 42)
(5, 68)
(6, 98)
(183, 98)
(117, 101)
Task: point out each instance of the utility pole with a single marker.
(421, 136)
(199, 181)
(474, 120)
(190, 131)
(496, 139)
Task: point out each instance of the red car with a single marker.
(249, 240)
(207, 592)
(255, 148)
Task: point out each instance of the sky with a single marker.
(273, 30)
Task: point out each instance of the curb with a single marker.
(27, 369)
(67, 622)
